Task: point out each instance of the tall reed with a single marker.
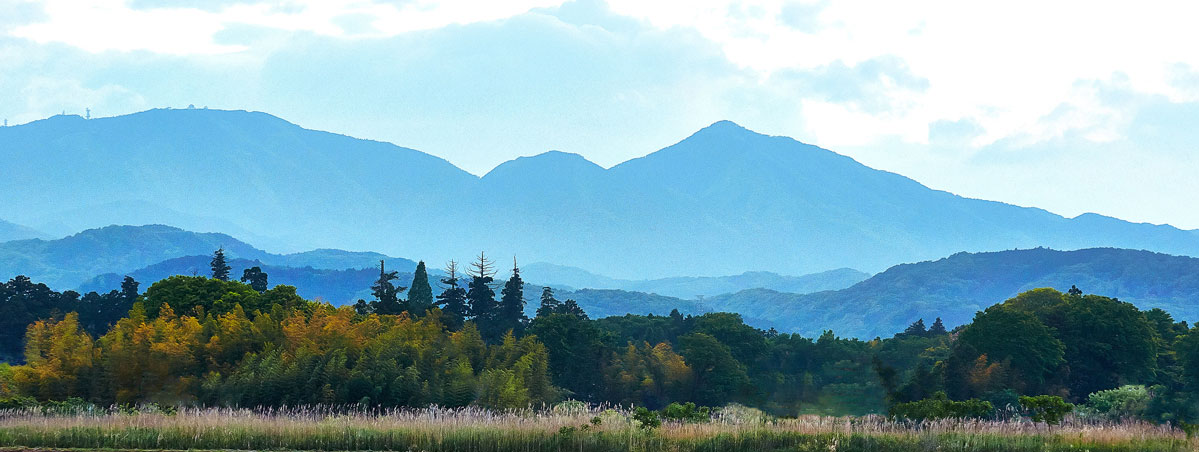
(585, 429)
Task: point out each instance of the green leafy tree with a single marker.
(687, 412)
(719, 378)
(646, 418)
(1107, 342)
(255, 277)
(220, 269)
(129, 291)
(1010, 336)
(576, 353)
(940, 407)
(1049, 409)
(420, 294)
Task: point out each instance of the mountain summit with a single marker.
(722, 201)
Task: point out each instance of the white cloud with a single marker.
(1005, 65)
(115, 25)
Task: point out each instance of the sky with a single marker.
(1069, 106)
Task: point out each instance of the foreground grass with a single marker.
(480, 431)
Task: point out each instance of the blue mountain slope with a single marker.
(334, 286)
(66, 263)
(723, 201)
(690, 287)
(12, 231)
(956, 287)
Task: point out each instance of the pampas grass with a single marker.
(578, 428)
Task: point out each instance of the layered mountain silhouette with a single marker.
(689, 287)
(70, 261)
(98, 259)
(723, 201)
(11, 231)
(956, 287)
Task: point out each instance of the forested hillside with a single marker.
(954, 288)
(198, 340)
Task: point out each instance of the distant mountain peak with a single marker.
(549, 162)
(725, 127)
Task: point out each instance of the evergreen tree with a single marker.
(937, 329)
(420, 295)
(129, 290)
(549, 304)
(570, 307)
(362, 307)
(915, 329)
(510, 314)
(452, 300)
(220, 269)
(387, 295)
(255, 277)
(1075, 291)
(481, 297)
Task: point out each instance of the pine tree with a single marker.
(937, 329)
(481, 297)
(420, 295)
(510, 314)
(255, 277)
(549, 304)
(387, 298)
(452, 300)
(915, 329)
(220, 269)
(571, 307)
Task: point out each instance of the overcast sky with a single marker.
(1070, 106)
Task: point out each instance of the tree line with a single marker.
(215, 341)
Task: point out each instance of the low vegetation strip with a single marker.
(581, 430)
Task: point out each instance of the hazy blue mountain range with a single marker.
(334, 286)
(13, 231)
(722, 201)
(954, 288)
(68, 262)
(342, 287)
(695, 286)
(115, 251)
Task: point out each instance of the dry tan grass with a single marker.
(476, 429)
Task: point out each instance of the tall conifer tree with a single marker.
(549, 304)
(510, 314)
(452, 300)
(387, 298)
(220, 269)
(420, 294)
(481, 297)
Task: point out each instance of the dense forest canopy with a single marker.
(197, 340)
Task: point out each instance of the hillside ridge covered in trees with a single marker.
(198, 340)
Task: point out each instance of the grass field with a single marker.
(564, 430)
